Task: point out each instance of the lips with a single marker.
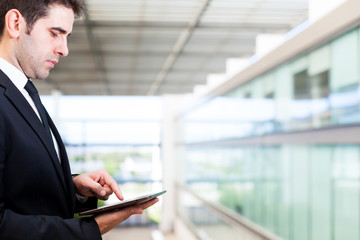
(52, 62)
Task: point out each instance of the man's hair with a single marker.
(33, 10)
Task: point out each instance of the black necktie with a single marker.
(31, 89)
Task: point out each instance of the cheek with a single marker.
(30, 57)
(39, 45)
(27, 46)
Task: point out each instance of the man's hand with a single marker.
(98, 183)
(108, 221)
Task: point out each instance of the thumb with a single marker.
(134, 210)
(97, 189)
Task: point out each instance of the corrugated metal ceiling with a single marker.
(156, 47)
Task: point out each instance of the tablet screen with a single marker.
(122, 204)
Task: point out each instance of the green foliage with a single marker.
(77, 159)
(100, 203)
(231, 197)
(154, 216)
(112, 160)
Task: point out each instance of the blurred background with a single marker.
(246, 111)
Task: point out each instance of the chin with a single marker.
(42, 76)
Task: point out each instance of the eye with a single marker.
(54, 34)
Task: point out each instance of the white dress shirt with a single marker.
(19, 79)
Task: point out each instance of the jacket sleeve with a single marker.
(90, 203)
(85, 203)
(18, 227)
(14, 226)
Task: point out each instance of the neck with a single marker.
(7, 53)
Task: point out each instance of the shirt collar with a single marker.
(16, 76)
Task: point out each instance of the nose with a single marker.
(62, 49)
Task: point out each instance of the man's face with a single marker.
(40, 50)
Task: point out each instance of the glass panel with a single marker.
(208, 225)
(284, 197)
(299, 65)
(344, 61)
(319, 77)
(319, 60)
(270, 185)
(283, 96)
(321, 192)
(316, 90)
(320, 99)
(301, 85)
(300, 178)
(346, 192)
(295, 191)
(257, 89)
(301, 105)
(269, 85)
(344, 82)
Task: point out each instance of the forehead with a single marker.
(58, 16)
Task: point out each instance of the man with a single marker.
(37, 191)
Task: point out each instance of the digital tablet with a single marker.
(122, 204)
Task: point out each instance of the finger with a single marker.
(138, 209)
(97, 179)
(104, 198)
(96, 188)
(102, 181)
(112, 184)
(148, 204)
(108, 192)
(107, 189)
(134, 210)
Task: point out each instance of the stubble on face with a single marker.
(30, 60)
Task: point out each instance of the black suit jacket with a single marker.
(37, 197)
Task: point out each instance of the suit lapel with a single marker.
(24, 108)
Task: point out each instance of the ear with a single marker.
(14, 23)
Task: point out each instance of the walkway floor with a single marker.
(133, 233)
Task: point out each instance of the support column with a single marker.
(170, 159)
(56, 95)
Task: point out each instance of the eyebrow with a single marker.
(62, 31)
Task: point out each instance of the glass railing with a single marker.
(210, 220)
(294, 191)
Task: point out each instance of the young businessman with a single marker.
(38, 194)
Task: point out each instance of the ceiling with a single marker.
(156, 47)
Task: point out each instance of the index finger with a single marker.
(110, 181)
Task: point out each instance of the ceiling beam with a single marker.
(216, 26)
(178, 48)
(97, 55)
(248, 49)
